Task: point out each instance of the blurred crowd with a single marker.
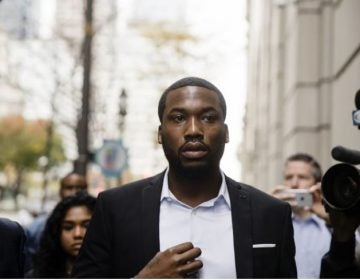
(48, 246)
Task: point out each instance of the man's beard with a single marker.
(197, 171)
(190, 172)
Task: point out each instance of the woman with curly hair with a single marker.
(63, 236)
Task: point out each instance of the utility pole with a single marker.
(46, 161)
(46, 158)
(82, 130)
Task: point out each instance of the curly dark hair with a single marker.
(50, 260)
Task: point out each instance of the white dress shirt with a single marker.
(208, 226)
(312, 240)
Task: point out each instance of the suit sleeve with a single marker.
(287, 257)
(21, 249)
(12, 255)
(95, 257)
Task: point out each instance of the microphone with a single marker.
(346, 155)
(356, 113)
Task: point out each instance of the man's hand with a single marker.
(318, 205)
(344, 224)
(175, 262)
(280, 193)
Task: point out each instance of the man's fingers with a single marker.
(190, 268)
(277, 189)
(177, 261)
(280, 192)
(316, 187)
(190, 255)
(285, 196)
(186, 257)
(181, 248)
(292, 203)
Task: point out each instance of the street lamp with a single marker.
(123, 105)
(122, 110)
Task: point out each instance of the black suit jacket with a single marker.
(12, 239)
(123, 235)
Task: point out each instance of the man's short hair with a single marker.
(309, 160)
(65, 178)
(190, 81)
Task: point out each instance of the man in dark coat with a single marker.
(191, 220)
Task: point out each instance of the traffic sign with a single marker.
(112, 158)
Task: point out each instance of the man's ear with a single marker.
(227, 134)
(159, 135)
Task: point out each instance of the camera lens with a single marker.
(341, 186)
(345, 190)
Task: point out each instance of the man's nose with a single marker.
(193, 129)
(294, 183)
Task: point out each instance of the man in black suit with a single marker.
(191, 220)
(12, 239)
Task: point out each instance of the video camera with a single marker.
(341, 182)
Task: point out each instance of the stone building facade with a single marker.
(303, 73)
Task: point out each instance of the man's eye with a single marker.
(178, 118)
(209, 118)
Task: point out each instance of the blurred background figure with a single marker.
(11, 249)
(69, 185)
(301, 188)
(63, 237)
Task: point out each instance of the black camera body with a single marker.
(341, 188)
(341, 183)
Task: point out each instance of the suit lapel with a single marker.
(241, 219)
(150, 217)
